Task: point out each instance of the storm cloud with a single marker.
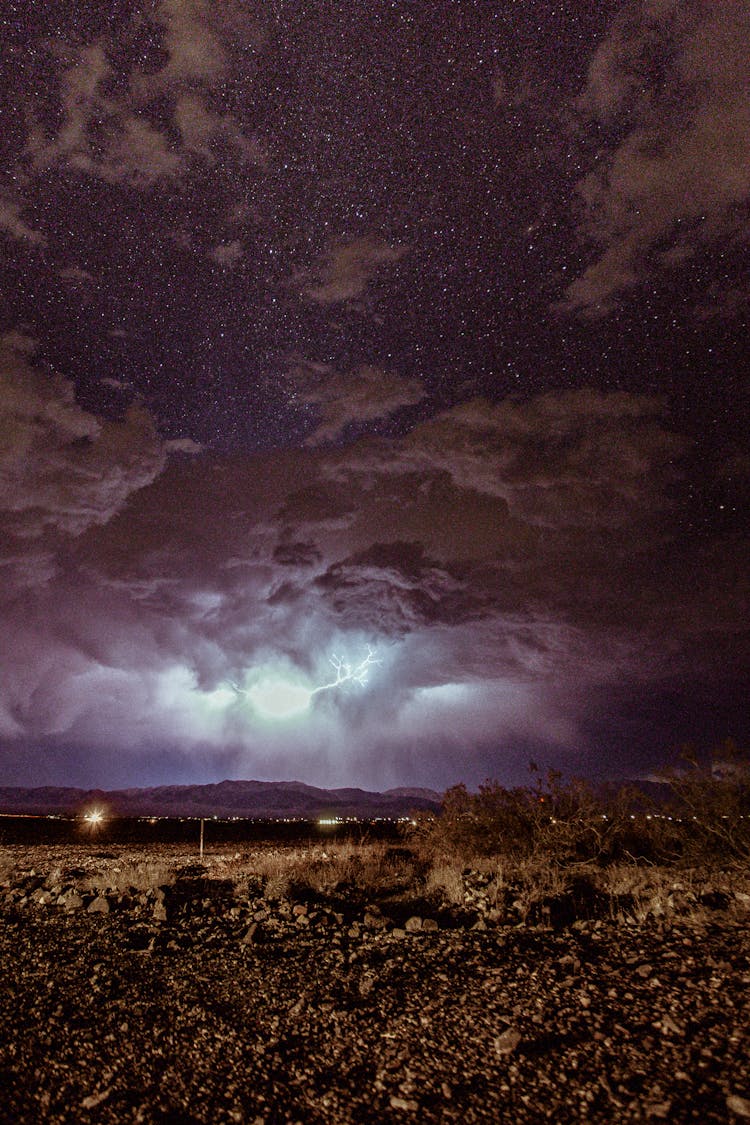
(503, 563)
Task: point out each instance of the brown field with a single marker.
(368, 983)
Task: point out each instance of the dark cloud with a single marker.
(62, 468)
(296, 554)
(582, 458)
(506, 615)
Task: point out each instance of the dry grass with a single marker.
(446, 879)
(520, 888)
(320, 867)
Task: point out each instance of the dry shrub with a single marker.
(566, 823)
(535, 882)
(131, 875)
(367, 868)
(446, 879)
(711, 797)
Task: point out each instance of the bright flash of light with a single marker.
(94, 817)
(283, 697)
(349, 673)
(276, 698)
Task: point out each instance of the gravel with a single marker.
(198, 1003)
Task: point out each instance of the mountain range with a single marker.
(245, 799)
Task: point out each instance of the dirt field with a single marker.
(130, 994)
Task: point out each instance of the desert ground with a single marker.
(345, 983)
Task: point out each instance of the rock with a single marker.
(94, 1100)
(366, 984)
(660, 1110)
(159, 913)
(70, 900)
(398, 1010)
(413, 924)
(250, 933)
(403, 1103)
(98, 905)
(506, 1043)
(738, 1105)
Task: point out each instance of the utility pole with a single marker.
(202, 823)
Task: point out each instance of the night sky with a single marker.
(373, 388)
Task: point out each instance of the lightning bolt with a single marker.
(349, 673)
(276, 696)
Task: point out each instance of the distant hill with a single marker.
(224, 799)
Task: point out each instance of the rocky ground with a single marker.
(206, 1000)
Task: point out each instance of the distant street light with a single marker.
(93, 819)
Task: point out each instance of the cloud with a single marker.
(196, 52)
(183, 445)
(19, 342)
(13, 223)
(164, 121)
(583, 458)
(507, 562)
(364, 395)
(61, 468)
(100, 134)
(200, 39)
(668, 84)
(350, 268)
(76, 276)
(226, 254)
(203, 129)
(500, 92)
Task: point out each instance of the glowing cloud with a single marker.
(277, 696)
(274, 697)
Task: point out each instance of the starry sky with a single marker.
(373, 388)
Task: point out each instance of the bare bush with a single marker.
(711, 796)
(569, 823)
